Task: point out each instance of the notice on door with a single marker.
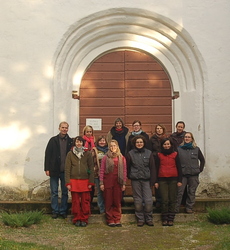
(96, 123)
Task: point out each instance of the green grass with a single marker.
(219, 216)
(62, 234)
(22, 219)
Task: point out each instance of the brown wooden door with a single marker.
(127, 84)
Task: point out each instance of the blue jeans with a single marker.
(54, 183)
(100, 199)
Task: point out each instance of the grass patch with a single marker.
(219, 216)
(22, 219)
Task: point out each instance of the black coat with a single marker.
(53, 155)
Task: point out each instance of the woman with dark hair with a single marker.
(112, 182)
(155, 147)
(192, 163)
(79, 179)
(155, 140)
(142, 172)
(169, 177)
(137, 130)
(120, 133)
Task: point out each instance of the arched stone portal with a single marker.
(130, 28)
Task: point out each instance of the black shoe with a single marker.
(150, 223)
(64, 216)
(118, 225)
(170, 223)
(54, 216)
(83, 224)
(111, 224)
(140, 223)
(78, 223)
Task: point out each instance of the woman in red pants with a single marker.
(79, 178)
(112, 182)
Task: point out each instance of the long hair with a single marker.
(162, 126)
(118, 152)
(193, 140)
(87, 127)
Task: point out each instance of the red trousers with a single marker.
(80, 206)
(112, 198)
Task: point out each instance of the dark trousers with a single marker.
(168, 191)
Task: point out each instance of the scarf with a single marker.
(89, 142)
(79, 152)
(137, 133)
(187, 146)
(102, 149)
(167, 151)
(110, 165)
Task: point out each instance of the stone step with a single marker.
(201, 205)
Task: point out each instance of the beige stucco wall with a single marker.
(39, 68)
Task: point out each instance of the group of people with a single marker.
(169, 163)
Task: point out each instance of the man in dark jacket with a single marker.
(55, 155)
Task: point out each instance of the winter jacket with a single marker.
(79, 169)
(53, 155)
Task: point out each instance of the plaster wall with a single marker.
(32, 105)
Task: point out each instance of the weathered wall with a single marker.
(32, 33)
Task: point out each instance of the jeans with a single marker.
(100, 199)
(54, 183)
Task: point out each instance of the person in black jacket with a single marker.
(55, 155)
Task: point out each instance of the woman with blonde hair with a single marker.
(192, 163)
(112, 182)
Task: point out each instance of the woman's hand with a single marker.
(90, 186)
(156, 185)
(179, 184)
(102, 187)
(123, 188)
(69, 187)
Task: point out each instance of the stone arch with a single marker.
(132, 28)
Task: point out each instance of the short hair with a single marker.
(136, 121)
(119, 120)
(180, 122)
(135, 138)
(87, 127)
(78, 138)
(99, 138)
(63, 123)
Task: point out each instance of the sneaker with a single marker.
(149, 223)
(54, 216)
(140, 223)
(78, 223)
(83, 224)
